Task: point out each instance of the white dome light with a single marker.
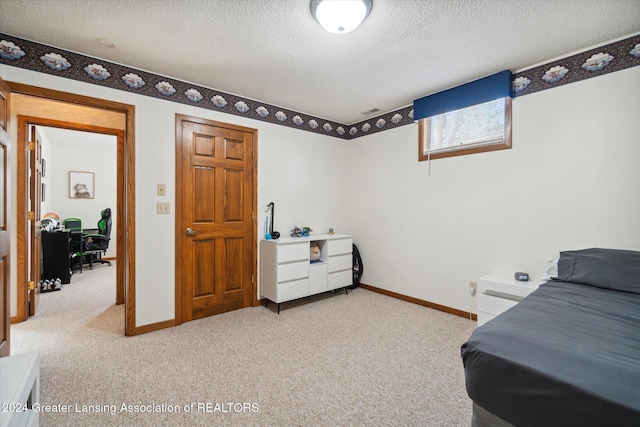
(340, 16)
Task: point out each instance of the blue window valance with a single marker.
(476, 92)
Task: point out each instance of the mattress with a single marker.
(567, 355)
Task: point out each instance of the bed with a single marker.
(566, 355)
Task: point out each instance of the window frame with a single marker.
(423, 131)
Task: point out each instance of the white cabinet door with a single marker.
(317, 278)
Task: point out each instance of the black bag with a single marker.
(358, 268)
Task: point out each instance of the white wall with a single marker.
(84, 152)
(302, 172)
(571, 181)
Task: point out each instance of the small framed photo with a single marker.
(81, 185)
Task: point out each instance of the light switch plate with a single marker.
(162, 190)
(162, 207)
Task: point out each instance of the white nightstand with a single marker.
(498, 293)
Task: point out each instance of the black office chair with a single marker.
(97, 244)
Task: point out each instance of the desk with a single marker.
(56, 255)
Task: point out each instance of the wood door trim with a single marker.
(35, 182)
(180, 118)
(126, 184)
(5, 236)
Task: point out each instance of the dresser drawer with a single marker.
(293, 290)
(340, 246)
(293, 252)
(340, 279)
(292, 271)
(340, 262)
(495, 305)
(484, 318)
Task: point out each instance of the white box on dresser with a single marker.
(498, 292)
(287, 273)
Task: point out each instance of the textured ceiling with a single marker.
(274, 51)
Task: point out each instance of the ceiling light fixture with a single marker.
(340, 16)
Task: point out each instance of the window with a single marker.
(475, 129)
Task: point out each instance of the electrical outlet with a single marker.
(473, 288)
(162, 207)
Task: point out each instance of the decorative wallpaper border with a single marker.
(34, 56)
(605, 59)
(59, 62)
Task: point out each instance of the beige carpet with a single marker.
(341, 360)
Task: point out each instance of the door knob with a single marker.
(190, 232)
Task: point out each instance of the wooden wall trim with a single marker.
(423, 303)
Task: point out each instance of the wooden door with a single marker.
(215, 242)
(35, 200)
(4, 233)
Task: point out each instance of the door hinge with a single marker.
(32, 215)
(31, 146)
(253, 216)
(252, 279)
(32, 285)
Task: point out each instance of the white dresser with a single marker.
(287, 272)
(497, 293)
(20, 390)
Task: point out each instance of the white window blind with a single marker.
(476, 126)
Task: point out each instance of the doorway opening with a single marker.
(68, 111)
(69, 159)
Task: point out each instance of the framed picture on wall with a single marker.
(81, 185)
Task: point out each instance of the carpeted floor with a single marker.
(341, 360)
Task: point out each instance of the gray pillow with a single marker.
(605, 268)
